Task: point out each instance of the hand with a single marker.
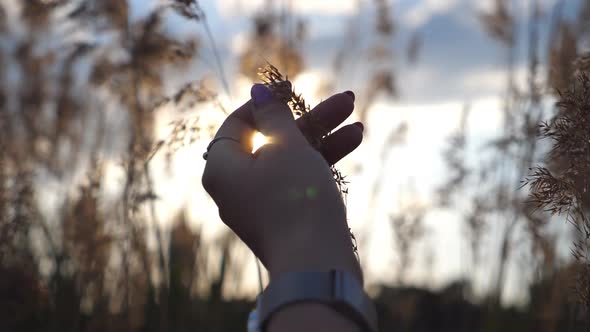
(282, 201)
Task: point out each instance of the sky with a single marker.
(458, 65)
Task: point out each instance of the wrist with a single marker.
(313, 250)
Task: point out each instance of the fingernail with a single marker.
(360, 125)
(351, 94)
(261, 94)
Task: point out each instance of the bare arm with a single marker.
(310, 317)
(283, 201)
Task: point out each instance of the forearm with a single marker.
(310, 317)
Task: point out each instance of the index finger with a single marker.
(239, 125)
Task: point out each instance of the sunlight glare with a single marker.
(258, 141)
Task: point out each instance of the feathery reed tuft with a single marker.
(562, 188)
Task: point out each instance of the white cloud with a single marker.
(233, 8)
(494, 80)
(239, 42)
(425, 9)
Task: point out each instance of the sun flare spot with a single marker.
(258, 141)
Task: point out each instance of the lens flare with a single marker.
(258, 141)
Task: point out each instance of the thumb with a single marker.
(271, 117)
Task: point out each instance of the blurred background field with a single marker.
(108, 105)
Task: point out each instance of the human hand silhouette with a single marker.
(282, 200)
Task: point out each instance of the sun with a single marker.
(258, 140)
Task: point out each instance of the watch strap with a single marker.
(339, 290)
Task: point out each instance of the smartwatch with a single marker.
(339, 290)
